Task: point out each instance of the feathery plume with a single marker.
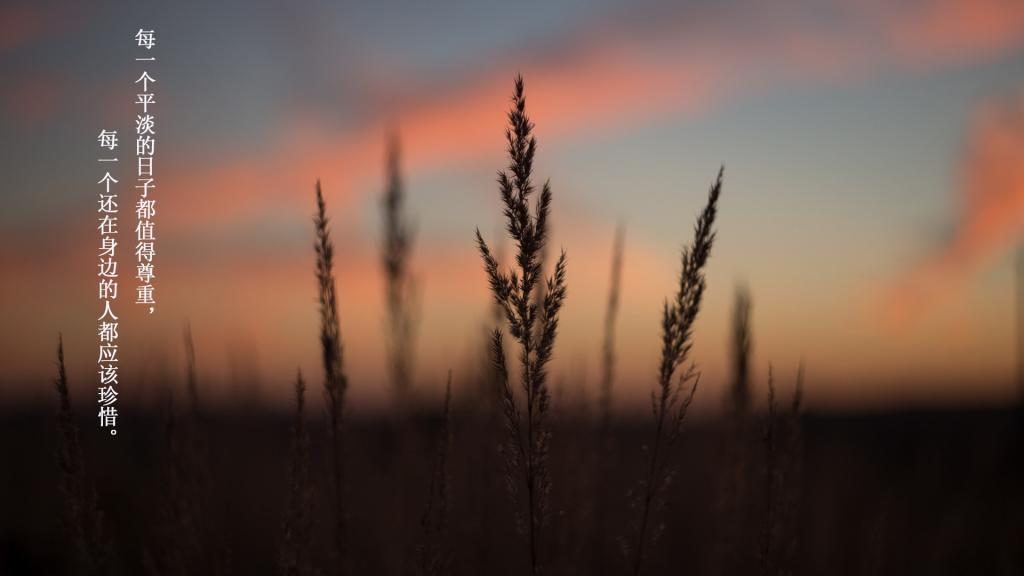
(741, 345)
(532, 322)
(400, 287)
(335, 382)
(668, 403)
(608, 347)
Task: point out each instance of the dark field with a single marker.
(901, 493)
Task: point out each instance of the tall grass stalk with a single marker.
(608, 344)
(294, 557)
(400, 287)
(185, 525)
(83, 519)
(742, 342)
(434, 553)
(783, 447)
(191, 376)
(739, 443)
(335, 381)
(593, 515)
(769, 527)
(669, 404)
(532, 324)
(492, 433)
(178, 550)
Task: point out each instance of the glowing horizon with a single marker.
(873, 158)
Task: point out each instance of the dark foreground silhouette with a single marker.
(906, 493)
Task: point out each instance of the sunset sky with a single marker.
(873, 197)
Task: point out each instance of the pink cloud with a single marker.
(611, 75)
(954, 30)
(991, 219)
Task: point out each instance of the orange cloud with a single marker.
(607, 87)
(951, 30)
(992, 212)
(606, 76)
